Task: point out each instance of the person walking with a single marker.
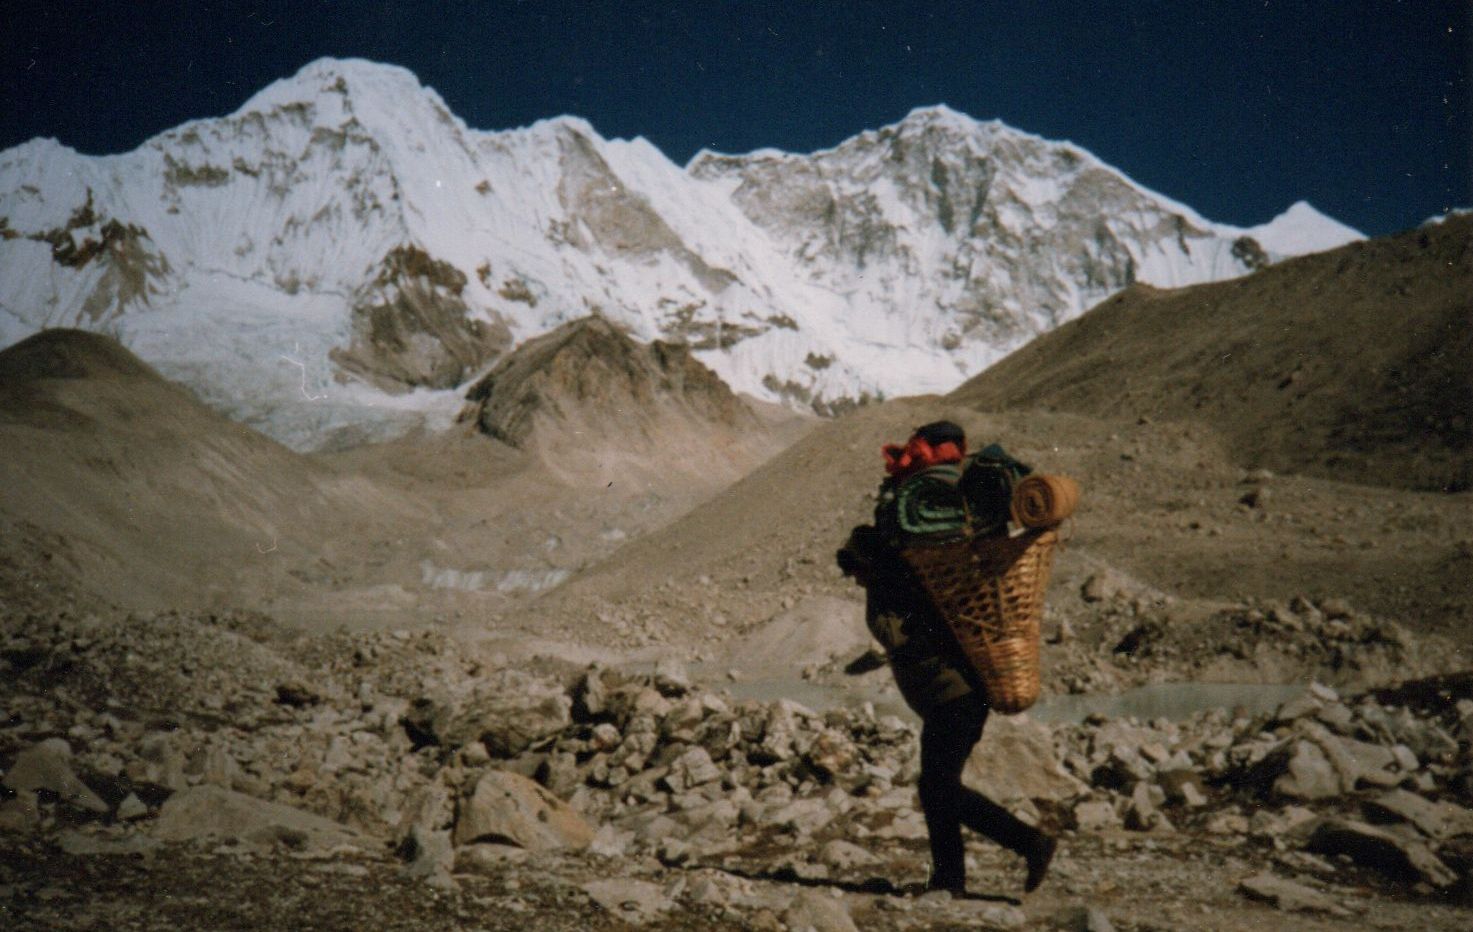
(933, 676)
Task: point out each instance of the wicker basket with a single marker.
(990, 591)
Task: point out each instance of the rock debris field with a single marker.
(395, 779)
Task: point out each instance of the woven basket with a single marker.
(990, 591)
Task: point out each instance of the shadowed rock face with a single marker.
(622, 222)
(411, 326)
(590, 371)
(125, 266)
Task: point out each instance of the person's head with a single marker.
(937, 433)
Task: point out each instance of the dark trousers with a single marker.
(947, 737)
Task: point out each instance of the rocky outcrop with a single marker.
(411, 326)
(591, 375)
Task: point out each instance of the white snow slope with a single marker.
(337, 258)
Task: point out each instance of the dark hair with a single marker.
(939, 432)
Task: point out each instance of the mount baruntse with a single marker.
(341, 254)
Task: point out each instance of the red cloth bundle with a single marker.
(917, 454)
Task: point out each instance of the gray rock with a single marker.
(1308, 773)
(805, 816)
(205, 812)
(1142, 814)
(1083, 919)
(1406, 758)
(487, 858)
(673, 852)
(214, 765)
(131, 808)
(507, 807)
(610, 842)
(693, 768)
(811, 911)
(1016, 760)
(1288, 895)
(1182, 787)
(1381, 850)
(427, 809)
(1304, 705)
(1106, 584)
(1437, 819)
(636, 902)
(845, 855)
(46, 767)
(992, 915)
(671, 677)
(605, 737)
(429, 856)
(89, 845)
(561, 774)
(19, 816)
(1356, 761)
(908, 826)
(1092, 815)
(590, 697)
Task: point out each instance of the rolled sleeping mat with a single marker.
(1043, 501)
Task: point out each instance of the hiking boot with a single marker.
(956, 886)
(1040, 855)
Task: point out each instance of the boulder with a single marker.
(844, 855)
(131, 808)
(590, 697)
(1106, 584)
(1182, 787)
(19, 817)
(636, 902)
(1381, 850)
(47, 767)
(85, 844)
(511, 711)
(1292, 824)
(1307, 773)
(811, 911)
(212, 812)
(1083, 919)
(691, 769)
(1142, 813)
(508, 808)
(1093, 815)
(488, 858)
(427, 809)
(1437, 819)
(1015, 760)
(1288, 895)
(429, 855)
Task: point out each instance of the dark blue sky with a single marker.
(1237, 108)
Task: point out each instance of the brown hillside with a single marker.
(141, 495)
(1355, 364)
(1163, 504)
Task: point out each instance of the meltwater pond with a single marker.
(1174, 701)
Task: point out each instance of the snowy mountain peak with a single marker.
(343, 254)
(1302, 229)
(333, 83)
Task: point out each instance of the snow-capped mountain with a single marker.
(342, 253)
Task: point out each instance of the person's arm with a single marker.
(857, 557)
